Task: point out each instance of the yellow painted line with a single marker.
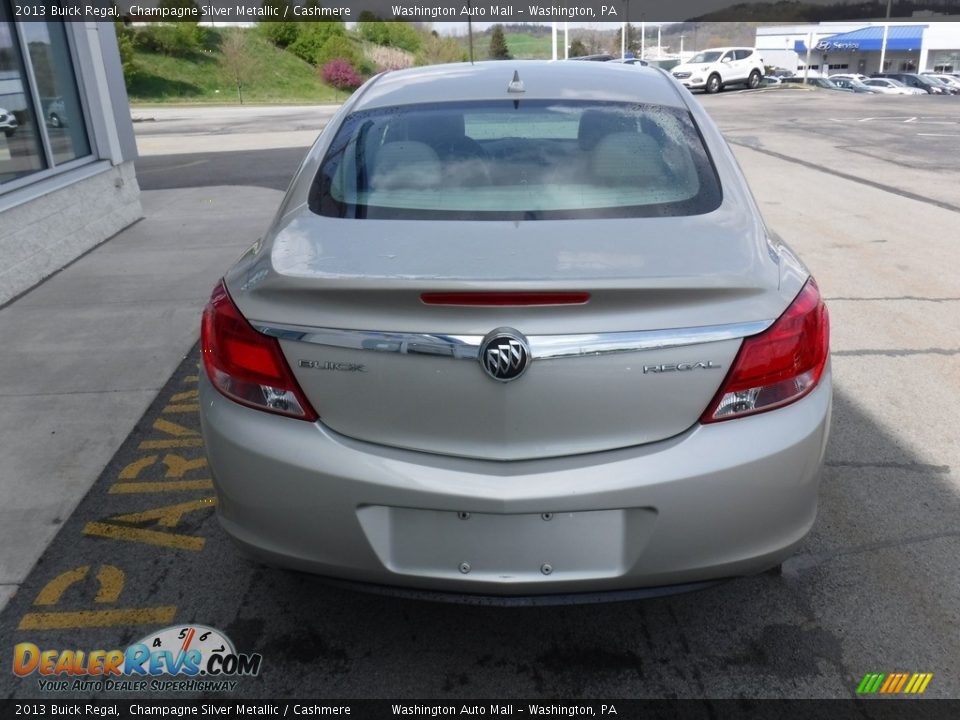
(54, 590)
(194, 407)
(172, 428)
(185, 395)
(168, 515)
(148, 537)
(926, 681)
(112, 580)
(178, 466)
(98, 618)
(161, 486)
(191, 379)
(133, 469)
(169, 444)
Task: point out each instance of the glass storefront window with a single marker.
(21, 151)
(57, 87)
(41, 119)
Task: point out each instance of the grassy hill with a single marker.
(279, 77)
(524, 46)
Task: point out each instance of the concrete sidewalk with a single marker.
(85, 352)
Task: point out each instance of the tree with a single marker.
(281, 33)
(633, 40)
(436, 50)
(237, 60)
(498, 44)
(125, 44)
(578, 49)
(311, 36)
(337, 46)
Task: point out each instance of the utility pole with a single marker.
(806, 65)
(566, 41)
(553, 35)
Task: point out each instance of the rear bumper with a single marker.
(718, 501)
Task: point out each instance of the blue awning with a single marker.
(899, 37)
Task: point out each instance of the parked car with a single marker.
(712, 70)
(890, 86)
(8, 123)
(770, 81)
(947, 86)
(780, 72)
(950, 80)
(630, 61)
(55, 113)
(599, 57)
(854, 85)
(472, 360)
(915, 81)
(849, 76)
(820, 82)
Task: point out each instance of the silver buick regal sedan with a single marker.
(518, 330)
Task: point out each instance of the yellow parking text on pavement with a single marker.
(98, 618)
(110, 583)
(149, 537)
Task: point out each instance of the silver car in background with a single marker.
(518, 329)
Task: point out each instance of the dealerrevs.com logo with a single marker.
(192, 658)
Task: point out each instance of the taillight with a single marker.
(780, 365)
(245, 365)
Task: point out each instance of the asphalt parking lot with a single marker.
(867, 191)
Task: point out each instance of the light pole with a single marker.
(470, 31)
(883, 43)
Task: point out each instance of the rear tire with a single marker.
(713, 84)
(753, 82)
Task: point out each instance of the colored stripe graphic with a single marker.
(870, 683)
(894, 683)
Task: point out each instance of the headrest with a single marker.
(406, 165)
(596, 124)
(627, 157)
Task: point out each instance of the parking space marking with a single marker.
(847, 176)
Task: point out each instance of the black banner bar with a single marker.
(504, 11)
(874, 709)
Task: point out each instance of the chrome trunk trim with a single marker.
(543, 347)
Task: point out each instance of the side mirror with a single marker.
(725, 60)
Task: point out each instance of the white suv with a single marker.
(713, 69)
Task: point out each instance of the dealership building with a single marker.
(863, 47)
(67, 147)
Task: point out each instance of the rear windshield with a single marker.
(516, 159)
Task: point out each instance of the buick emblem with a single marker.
(504, 354)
